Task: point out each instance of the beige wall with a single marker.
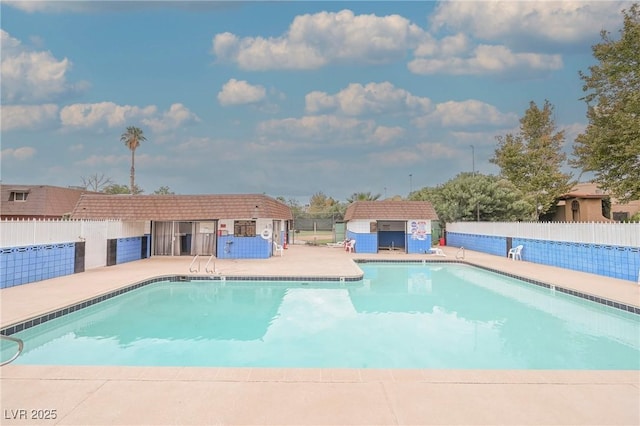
(590, 210)
(630, 208)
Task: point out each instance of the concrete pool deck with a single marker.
(190, 395)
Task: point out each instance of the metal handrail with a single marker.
(192, 262)
(206, 267)
(461, 249)
(20, 347)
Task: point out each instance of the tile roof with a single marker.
(581, 195)
(180, 207)
(390, 210)
(42, 200)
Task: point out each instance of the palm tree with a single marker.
(362, 196)
(132, 138)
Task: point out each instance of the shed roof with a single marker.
(41, 201)
(390, 210)
(180, 207)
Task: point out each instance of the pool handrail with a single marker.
(17, 354)
(458, 256)
(206, 267)
(192, 262)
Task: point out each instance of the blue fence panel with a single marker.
(611, 261)
(22, 265)
(483, 243)
(128, 249)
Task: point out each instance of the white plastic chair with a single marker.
(515, 253)
(277, 248)
(339, 244)
(437, 251)
(351, 246)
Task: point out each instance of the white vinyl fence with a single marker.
(606, 233)
(18, 233)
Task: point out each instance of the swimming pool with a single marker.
(407, 315)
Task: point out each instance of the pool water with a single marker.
(443, 316)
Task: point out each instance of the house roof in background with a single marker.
(180, 207)
(41, 201)
(391, 210)
(581, 195)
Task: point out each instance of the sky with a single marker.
(284, 98)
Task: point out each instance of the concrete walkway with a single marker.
(207, 396)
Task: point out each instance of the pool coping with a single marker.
(48, 316)
(208, 395)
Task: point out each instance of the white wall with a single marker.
(616, 234)
(17, 233)
(359, 226)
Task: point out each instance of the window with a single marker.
(18, 196)
(620, 216)
(244, 228)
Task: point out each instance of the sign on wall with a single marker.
(418, 229)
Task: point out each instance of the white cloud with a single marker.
(78, 6)
(32, 6)
(105, 160)
(315, 40)
(447, 46)
(318, 128)
(23, 153)
(571, 132)
(178, 115)
(373, 98)
(486, 59)
(465, 114)
(384, 135)
(103, 114)
(554, 21)
(238, 92)
(109, 115)
(417, 154)
(27, 116)
(32, 76)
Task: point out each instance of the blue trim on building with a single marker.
(365, 243)
(232, 247)
(368, 243)
(610, 261)
(419, 246)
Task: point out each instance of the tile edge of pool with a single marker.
(42, 318)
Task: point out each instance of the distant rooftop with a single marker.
(391, 210)
(38, 201)
(180, 207)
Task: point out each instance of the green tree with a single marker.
(610, 145)
(114, 188)
(163, 190)
(321, 204)
(362, 196)
(532, 159)
(132, 138)
(294, 205)
(468, 196)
